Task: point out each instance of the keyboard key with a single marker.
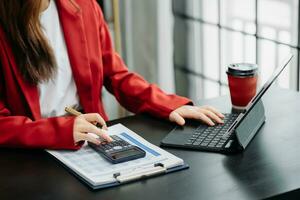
(212, 136)
(196, 143)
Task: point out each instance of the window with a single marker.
(210, 34)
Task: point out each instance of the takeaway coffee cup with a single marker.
(242, 79)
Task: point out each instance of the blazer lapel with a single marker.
(72, 24)
(30, 91)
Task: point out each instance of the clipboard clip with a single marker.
(157, 169)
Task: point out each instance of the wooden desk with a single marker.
(270, 166)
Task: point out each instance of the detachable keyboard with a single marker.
(212, 136)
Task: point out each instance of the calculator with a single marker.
(118, 150)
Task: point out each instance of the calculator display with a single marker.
(124, 154)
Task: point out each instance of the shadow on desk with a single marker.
(256, 183)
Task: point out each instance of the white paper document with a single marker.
(96, 170)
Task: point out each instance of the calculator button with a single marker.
(117, 148)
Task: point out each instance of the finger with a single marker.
(105, 136)
(190, 113)
(90, 138)
(205, 119)
(94, 117)
(87, 127)
(105, 127)
(214, 110)
(212, 116)
(90, 128)
(194, 114)
(175, 117)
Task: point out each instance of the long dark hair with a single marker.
(20, 21)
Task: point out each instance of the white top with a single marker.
(60, 91)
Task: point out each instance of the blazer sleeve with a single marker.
(21, 131)
(130, 89)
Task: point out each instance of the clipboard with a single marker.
(85, 163)
(126, 181)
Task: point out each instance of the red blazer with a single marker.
(94, 64)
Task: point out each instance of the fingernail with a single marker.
(108, 138)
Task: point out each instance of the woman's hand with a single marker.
(85, 123)
(206, 114)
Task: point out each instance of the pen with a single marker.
(77, 113)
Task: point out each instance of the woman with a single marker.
(59, 53)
